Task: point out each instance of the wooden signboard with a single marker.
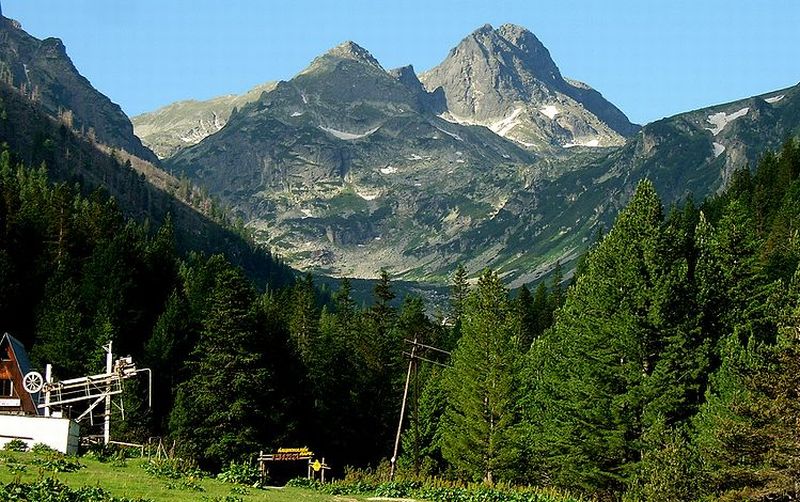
(290, 455)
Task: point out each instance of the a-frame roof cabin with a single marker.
(14, 365)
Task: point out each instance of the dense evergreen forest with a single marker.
(666, 370)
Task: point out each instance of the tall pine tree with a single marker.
(479, 433)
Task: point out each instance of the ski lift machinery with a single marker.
(93, 389)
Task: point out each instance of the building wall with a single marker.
(20, 402)
(61, 434)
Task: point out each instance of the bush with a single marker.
(240, 474)
(16, 467)
(42, 449)
(52, 490)
(434, 491)
(303, 483)
(57, 462)
(16, 445)
(172, 468)
(190, 483)
(240, 490)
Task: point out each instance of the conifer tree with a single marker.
(459, 288)
(479, 434)
(219, 413)
(528, 324)
(304, 320)
(542, 313)
(588, 375)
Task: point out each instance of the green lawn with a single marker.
(132, 481)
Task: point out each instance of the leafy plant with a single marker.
(240, 490)
(189, 483)
(16, 467)
(172, 468)
(41, 449)
(52, 490)
(240, 473)
(16, 445)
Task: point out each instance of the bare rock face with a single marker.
(42, 70)
(505, 79)
(180, 125)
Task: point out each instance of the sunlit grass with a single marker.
(132, 481)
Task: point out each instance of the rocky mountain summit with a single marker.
(43, 71)
(346, 159)
(492, 158)
(505, 79)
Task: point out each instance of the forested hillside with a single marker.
(140, 190)
(667, 370)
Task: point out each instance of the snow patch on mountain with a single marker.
(718, 149)
(549, 111)
(775, 99)
(388, 170)
(451, 134)
(720, 120)
(368, 194)
(592, 143)
(503, 127)
(348, 136)
(500, 127)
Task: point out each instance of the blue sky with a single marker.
(650, 58)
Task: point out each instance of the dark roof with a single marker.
(21, 355)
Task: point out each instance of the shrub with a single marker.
(52, 490)
(240, 490)
(58, 463)
(303, 483)
(190, 483)
(16, 445)
(434, 491)
(16, 467)
(240, 474)
(172, 468)
(42, 449)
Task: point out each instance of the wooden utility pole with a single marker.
(412, 367)
(402, 411)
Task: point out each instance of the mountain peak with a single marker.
(353, 51)
(505, 77)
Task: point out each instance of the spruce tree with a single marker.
(528, 324)
(304, 320)
(587, 377)
(479, 433)
(220, 411)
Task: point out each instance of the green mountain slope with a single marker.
(141, 190)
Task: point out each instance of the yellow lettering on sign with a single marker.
(298, 451)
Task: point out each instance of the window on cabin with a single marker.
(6, 388)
